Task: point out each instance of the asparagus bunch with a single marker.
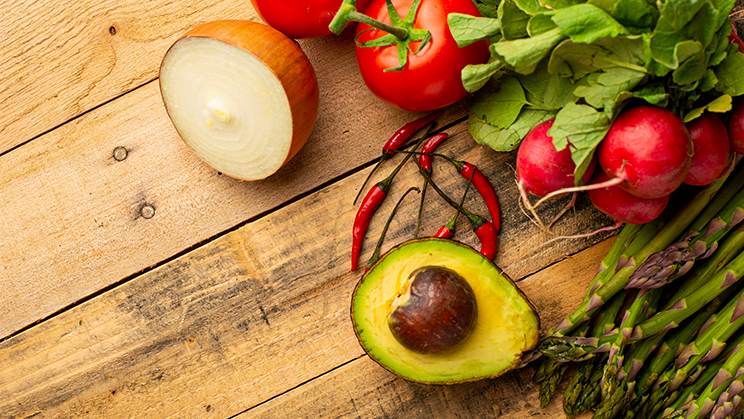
(662, 357)
(666, 235)
(550, 371)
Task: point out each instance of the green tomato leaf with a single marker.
(586, 23)
(507, 139)
(513, 20)
(468, 29)
(475, 76)
(502, 107)
(523, 55)
(583, 127)
(721, 104)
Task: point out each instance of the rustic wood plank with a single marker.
(362, 389)
(71, 212)
(246, 317)
(62, 58)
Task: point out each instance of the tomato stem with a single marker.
(397, 31)
(401, 32)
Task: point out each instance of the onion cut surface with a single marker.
(241, 95)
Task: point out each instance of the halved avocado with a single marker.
(506, 325)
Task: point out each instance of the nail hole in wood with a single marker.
(112, 30)
(147, 211)
(120, 153)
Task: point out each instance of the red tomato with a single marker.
(300, 18)
(431, 78)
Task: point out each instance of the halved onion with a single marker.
(242, 96)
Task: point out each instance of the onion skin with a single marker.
(286, 60)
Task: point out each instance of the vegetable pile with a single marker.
(658, 334)
(600, 72)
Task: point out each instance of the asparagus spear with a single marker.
(548, 376)
(567, 348)
(619, 378)
(665, 236)
(730, 400)
(707, 345)
(711, 341)
(667, 350)
(583, 392)
(549, 372)
(704, 402)
(674, 261)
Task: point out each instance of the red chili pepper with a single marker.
(406, 132)
(484, 187)
(488, 236)
(484, 229)
(444, 232)
(376, 253)
(425, 162)
(398, 139)
(429, 146)
(369, 205)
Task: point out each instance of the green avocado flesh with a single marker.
(506, 326)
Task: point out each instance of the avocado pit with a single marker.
(434, 312)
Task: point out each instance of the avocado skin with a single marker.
(508, 324)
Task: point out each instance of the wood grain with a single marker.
(63, 58)
(70, 212)
(246, 317)
(363, 389)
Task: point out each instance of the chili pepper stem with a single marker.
(376, 253)
(369, 176)
(369, 205)
(421, 209)
(450, 226)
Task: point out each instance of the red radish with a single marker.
(624, 206)
(734, 37)
(649, 148)
(242, 96)
(712, 149)
(541, 169)
(736, 126)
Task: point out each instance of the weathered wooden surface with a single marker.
(243, 319)
(71, 211)
(61, 59)
(233, 298)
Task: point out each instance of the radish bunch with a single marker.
(646, 155)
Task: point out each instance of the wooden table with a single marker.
(135, 281)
